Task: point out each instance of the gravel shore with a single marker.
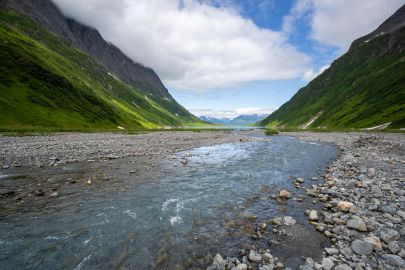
(363, 211)
(39, 151)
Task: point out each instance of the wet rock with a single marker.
(255, 257)
(362, 248)
(39, 193)
(289, 221)
(357, 224)
(219, 262)
(284, 194)
(313, 216)
(263, 226)
(393, 260)
(300, 180)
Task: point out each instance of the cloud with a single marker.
(311, 74)
(338, 23)
(191, 44)
(231, 113)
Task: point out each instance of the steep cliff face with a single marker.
(364, 88)
(90, 41)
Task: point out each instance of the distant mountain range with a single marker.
(59, 74)
(241, 120)
(365, 88)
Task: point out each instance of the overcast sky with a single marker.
(227, 57)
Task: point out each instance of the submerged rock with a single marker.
(284, 194)
(289, 221)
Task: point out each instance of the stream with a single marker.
(195, 204)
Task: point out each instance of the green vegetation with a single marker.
(270, 132)
(363, 88)
(46, 85)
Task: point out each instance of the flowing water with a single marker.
(178, 219)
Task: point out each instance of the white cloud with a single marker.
(190, 44)
(339, 22)
(231, 113)
(311, 74)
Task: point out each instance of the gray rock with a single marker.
(343, 267)
(219, 262)
(376, 191)
(357, 224)
(289, 221)
(394, 247)
(375, 241)
(331, 251)
(313, 215)
(362, 248)
(393, 260)
(255, 257)
(327, 263)
(241, 266)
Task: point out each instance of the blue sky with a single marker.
(228, 57)
(262, 95)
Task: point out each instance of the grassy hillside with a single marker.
(363, 88)
(45, 83)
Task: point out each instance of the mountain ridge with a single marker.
(49, 83)
(363, 88)
(240, 120)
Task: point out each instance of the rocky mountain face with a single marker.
(90, 41)
(364, 88)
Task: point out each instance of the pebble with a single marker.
(255, 257)
(357, 224)
(362, 248)
(313, 216)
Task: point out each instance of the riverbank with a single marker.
(62, 148)
(34, 169)
(363, 207)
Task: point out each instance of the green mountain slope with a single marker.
(46, 83)
(364, 88)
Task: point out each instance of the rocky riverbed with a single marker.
(34, 169)
(363, 208)
(56, 149)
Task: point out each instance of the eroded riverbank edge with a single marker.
(363, 207)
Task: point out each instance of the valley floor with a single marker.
(362, 195)
(56, 149)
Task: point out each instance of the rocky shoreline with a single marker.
(62, 148)
(363, 213)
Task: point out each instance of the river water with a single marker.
(177, 220)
